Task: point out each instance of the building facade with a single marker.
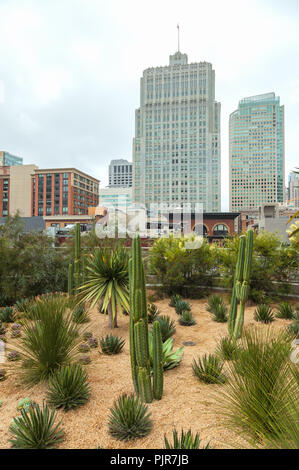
(176, 149)
(256, 152)
(115, 197)
(15, 190)
(7, 159)
(293, 190)
(120, 174)
(63, 191)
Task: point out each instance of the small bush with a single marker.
(36, 429)
(167, 327)
(285, 310)
(186, 319)
(213, 301)
(7, 315)
(24, 305)
(185, 441)
(129, 419)
(112, 344)
(219, 314)
(174, 299)
(293, 328)
(264, 314)
(209, 369)
(68, 388)
(182, 306)
(227, 348)
(80, 315)
(152, 312)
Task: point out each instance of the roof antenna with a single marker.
(178, 26)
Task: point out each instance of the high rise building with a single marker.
(6, 159)
(120, 174)
(256, 152)
(293, 190)
(176, 149)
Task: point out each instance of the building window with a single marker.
(220, 229)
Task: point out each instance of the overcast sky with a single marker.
(70, 70)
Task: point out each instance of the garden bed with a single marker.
(186, 403)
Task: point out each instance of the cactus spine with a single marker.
(241, 286)
(157, 362)
(139, 348)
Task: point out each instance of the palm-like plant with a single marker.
(108, 279)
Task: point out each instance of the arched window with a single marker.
(220, 229)
(200, 229)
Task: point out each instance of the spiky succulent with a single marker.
(171, 358)
(264, 314)
(111, 344)
(24, 305)
(7, 315)
(219, 313)
(68, 387)
(285, 310)
(186, 441)
(186, 318)
(84, 347)
(293, 328)
(227, 348)
(87, 335)
(93, 342)
(36, 429)
(167, 326)
(129, 419)
(209, 369)
(174, 299)
(213, 301)
(80, 314)
(182, 306)
(152, 312)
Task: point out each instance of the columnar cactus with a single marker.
(70, 279)
(139, 348)
(241, 286)
(157, 362)
(77, 256)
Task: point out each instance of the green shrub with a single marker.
(80, 314)
(219, 313)
(186, 319)
(182, 306)
(7, 315)
(36, 429)
(174, 299)
(170, 358)
(293, 328)
(111, 344)
(209, 369)
(213, 301)
(152, 312)
(167, 327)
(285, 310)
(185, 441)
(263, 313)
(227, 347)
(24, 305)
(68, 387)
(48, 342)
(129, 419)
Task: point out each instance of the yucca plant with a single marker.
(285, 310)
(7, 315)
(182, 306)
(174, 299)
(213, 301)
(227, 348)
(186, 318)
(68, 388)
(48, 341)
(108, 279)
(219, 313)
(152, 312)
(80, 314)
(171, 359)
(167, 327)
(129, 419)
(209, 369)
(186, 441)
(112, 344)
(36, 429)
(261, 390)
(264, 314)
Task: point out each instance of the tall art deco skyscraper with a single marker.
(176, 149)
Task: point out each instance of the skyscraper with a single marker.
(256, 152)
(176, 149)
(7, 159)
(120, 174)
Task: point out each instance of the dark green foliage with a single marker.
(186, 441)
(36, 429)
(219, 313)
(227, 347)
(2, 328)
(182, 306)
(167, 327)
(263, 313)
(213, 301)
(7, 315)
(49, 340)
(186, 318)
(209, 369)
(68, 387)
(129, 419)
(174, 299)
(80, 314)
(293, 328)
(152, 312)
(285, 310)
(112, 344)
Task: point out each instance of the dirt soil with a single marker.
(186, 403)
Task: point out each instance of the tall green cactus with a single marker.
(157, 361)
(241, 286)
(139, 348)
(77, 252)
(70, 279)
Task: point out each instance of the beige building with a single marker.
(15, 190)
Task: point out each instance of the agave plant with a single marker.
(227, 348)
(152, 312)
(129, 419)
(209, 369)
(219, 313)
(186, 318)
(7, 315)
(174, 299)
(167, 326)
(111, 344)
(80, 314)
(186, 441)
(36, 429)
(213, 301)
(68, 388)
(171, 359)
(182, 306)
(264, 314)
(285, 310)
(108, 279)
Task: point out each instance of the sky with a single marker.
(70, 71)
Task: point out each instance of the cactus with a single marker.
(70, 279)
(241, 286)
(157, 362)
(139, 347)
(77, 256)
